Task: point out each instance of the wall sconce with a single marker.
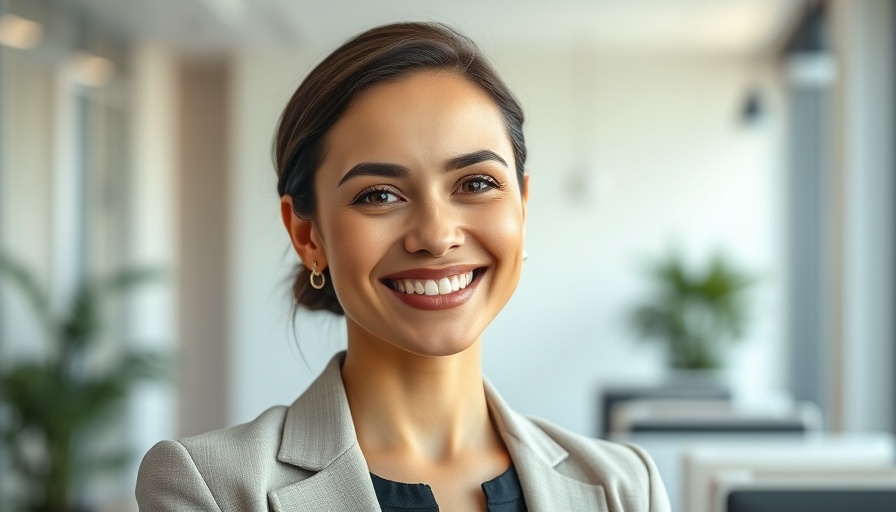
(752, 110)
(19, 33)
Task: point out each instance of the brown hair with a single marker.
(384, 53)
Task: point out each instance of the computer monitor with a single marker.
(844, 454)
(611, 396)
(818, 490)
(638, 417)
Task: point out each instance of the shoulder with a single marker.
(215, 470)
(168, 479)
(257, 439)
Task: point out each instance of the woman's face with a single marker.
(416, 196)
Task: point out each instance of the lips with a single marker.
(434, 288)
(442, 286)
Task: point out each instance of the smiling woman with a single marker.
(401, 174)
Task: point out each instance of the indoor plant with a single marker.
(51, 408)
(697, 313)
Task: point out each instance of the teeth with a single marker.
(443, 286)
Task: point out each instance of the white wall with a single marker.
(669, 164)
(26, 196)
(659, 139)
(266, 365)
(152, 240)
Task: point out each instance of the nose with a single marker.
(435, 228)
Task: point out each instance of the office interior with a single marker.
(757, 133)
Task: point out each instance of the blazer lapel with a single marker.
(536, 457)
(343, 485)
(318, 435)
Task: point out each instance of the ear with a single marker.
(303, 233)
(525, 195)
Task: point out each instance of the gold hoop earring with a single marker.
(318, 280)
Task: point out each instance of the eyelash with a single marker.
(364, 195)
(492, 182)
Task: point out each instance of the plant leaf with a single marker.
(21, 277)
(83, 323)
(694, 312)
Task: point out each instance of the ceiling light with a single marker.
(91, 70)
(19, 33)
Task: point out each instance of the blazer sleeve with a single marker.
(168, 479)
(659, 500)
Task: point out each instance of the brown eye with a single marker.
(376, 197)
(478, 184)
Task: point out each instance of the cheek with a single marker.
(507, 233)
(357, 246)
(503, 237)
(507, 223)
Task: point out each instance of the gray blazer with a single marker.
(306, 458)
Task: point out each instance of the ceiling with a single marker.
(728, 27)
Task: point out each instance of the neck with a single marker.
(432, 407)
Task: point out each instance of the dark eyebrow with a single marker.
(483, 155)
(399, 171)
(376, 169)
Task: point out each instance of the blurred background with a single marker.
(704, 173)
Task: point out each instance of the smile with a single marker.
(435, 289)
(443, 286)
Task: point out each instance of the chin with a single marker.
(441, 350)
(433, 340)
(437, 348)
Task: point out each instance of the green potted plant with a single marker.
(697, 313)
(52, 408)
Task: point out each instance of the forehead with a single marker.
(423, 116)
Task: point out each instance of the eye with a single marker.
(376, 196)
(478, 184)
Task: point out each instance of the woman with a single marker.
(401, 174)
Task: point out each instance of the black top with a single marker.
(502, 493)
